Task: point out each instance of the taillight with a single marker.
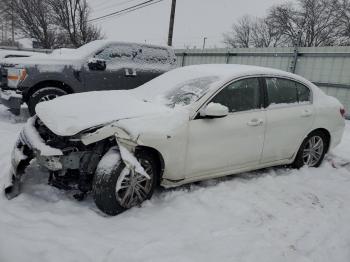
(342, 112)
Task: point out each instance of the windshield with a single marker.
(189, 91)
(179, 87)
(88, 48)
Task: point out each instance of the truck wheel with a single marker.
(117, 188)
(43, 94)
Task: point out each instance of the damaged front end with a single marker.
(70, 161)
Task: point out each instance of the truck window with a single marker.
(153, 55)
(118, 53)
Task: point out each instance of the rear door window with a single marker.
(304, 94)
(284, 91)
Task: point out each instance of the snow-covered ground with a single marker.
(269, 215)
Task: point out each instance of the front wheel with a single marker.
(312, 150)
(116, 188)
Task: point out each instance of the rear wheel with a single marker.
(42, 95)
(312, 150)
(116, 188)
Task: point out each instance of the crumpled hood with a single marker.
(69, 115)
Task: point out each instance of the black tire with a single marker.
(39, 95)
(300, 159)
(106, 179)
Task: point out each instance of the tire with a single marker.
(43, 94)
(113, 173)
(314, 159)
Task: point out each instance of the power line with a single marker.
(107, 5)
(127, 10)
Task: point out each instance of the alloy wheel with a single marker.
(313, 151)
(134, 188)
(48, 98)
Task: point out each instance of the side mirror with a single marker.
(214, 110)
(96, 64)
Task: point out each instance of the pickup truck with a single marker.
(98, 65)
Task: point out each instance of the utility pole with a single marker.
(171, 23)
(297, 43)
(12, 25)
(204, 40)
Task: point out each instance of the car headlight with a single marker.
(15, 76)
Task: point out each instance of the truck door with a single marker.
(120, 72)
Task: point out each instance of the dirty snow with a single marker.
(270, 215)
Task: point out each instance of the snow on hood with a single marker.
(69, 115)
(43, 60)
(72, 57)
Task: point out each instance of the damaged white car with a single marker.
(190, 124)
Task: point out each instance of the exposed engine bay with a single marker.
(71, 164)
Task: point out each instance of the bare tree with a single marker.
(240, 36)
(321, 27)
(253, 32)
(316, 20)
(52, 23)
(8, 24)
(285, 20)
(34, 19)
(344, 20)
(72, 17)
(265, 35)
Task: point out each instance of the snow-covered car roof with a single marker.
(93, 46)
(61, 51)
(211, 75)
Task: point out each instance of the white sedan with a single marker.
(190, 124)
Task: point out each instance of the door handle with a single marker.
(306, 113)
(130, 72)
(255, 122)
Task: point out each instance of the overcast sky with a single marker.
(194, 20)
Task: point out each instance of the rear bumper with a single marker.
(336, 137)
(12, 100)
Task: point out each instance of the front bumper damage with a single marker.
(30, 145)
(11, 99)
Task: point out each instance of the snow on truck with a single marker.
(98, 65)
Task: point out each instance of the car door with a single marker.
(231, 142)
(289, 115)
(120, 72)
